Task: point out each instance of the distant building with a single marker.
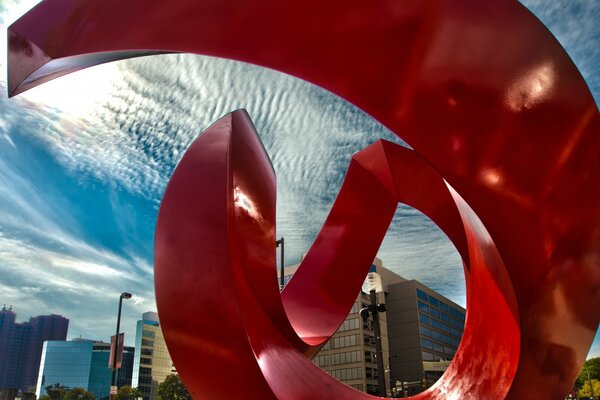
(152, 362)
(425, 329)
(420, 333)
(81, 363)
(21, 346)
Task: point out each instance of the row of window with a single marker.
(437, 347)
(350, 324)
(440, 315)
(148, 334)
(347, 374)
(344, 341)
(338, 358)
(439, 336)
(459, 315)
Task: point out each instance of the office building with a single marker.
(81, 363)
(152, 362)
(21, 346)
(425, 329)
(420, 333)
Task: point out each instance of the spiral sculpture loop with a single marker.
(506, 138)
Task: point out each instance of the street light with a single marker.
(124, 295)
(373, 285)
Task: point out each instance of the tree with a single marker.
(591, 366)
(128, 393)
(173, 389)
(79, 394)
(585, 390)
(55, 392)
(59, 392)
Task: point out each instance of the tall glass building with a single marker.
(81, 363)
(152, 362)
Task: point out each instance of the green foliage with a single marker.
(593, 368)
(79, 394)
(59, 392)
(128, 393)
(173, 389)
(56, 391)
(585, 389)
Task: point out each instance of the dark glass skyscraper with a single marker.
(21, 346)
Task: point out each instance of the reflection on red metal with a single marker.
(480, 90)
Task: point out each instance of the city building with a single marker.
(81, 363)
(152, 362)
(21, 346)
(425, 329)
(420, 333)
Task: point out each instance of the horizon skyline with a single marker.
(81, 175)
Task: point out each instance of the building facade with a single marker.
(425, 329)
(21, 346)
(81, 363)
(420, 333)
(152, 362)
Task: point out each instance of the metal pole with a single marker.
(378, 347)
(114, 360)
(281, 277)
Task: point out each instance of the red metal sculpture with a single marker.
(480, 90)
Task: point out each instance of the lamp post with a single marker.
(281, 278)
(124, 295)
(373, 285)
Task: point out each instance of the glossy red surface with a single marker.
(480, 90)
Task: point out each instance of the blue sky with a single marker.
(81, 175)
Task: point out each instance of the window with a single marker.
(424, 319)
(422, 295)
(321, 360)
(349, 324)
(144, 360)
(434, 312)
(445, 317)
(147, 352)
(148, 334)
(427, 356)
(433, 301)
(346, 358)
(347, 374)
(423, 307)
(344, 341)
(146, 342)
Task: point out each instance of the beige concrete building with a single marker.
(152, 362)
(420, 333)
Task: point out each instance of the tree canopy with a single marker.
(172, 388)
(60, 392)
(128, 393)
(591, 366)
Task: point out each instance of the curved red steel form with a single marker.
(480, 90)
